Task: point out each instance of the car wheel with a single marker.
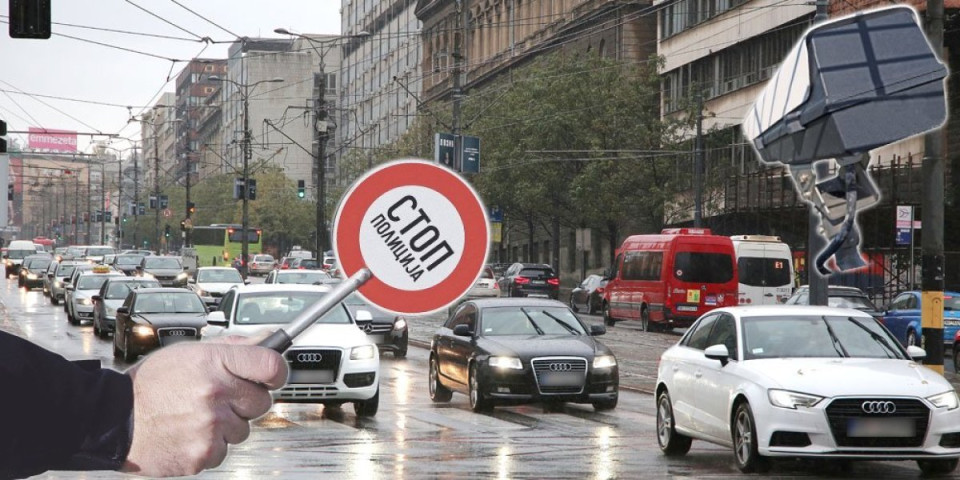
(607, 319)
(72, 319)
(438, 393)
(402, 351)
(671, 443)
(116, 349)
(604, 405)
(96, 329)
(591, 308)
(938, 467)
(128, 356)
(911, 338)
(369, 407)
(54, 300)
(745, 451)
(573, 305)
(477, 401)
(645, 324)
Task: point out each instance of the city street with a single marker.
(411, 437)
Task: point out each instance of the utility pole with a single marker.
(89, 212)
(816, 282)
(320, 137)
(156, 184)
(103, 204)
(457, 88)
(187, 237)
(120, 205)
(698, 165)
(136, 198)
(931, 246)
(76, 207)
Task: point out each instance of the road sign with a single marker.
(444, 149)
(469, 154)
(420, 228)
(167, 213)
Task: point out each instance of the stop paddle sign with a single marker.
(420, 229)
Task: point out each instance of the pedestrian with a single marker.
(174, 413)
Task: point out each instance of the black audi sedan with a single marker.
(151, 318)
(521, 350)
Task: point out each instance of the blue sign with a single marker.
(470, 154)
(445, 149)
(903, 236)
(496, 215)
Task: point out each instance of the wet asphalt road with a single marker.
(413, 438)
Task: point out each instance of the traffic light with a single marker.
(191, 207)
(3, 134)
(183, 225)
(30, 19)
(166, 231)
(124, 219)
(252, 189)
(301, 189)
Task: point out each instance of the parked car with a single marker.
(32, 271)
(506, 351)
(61, 276)
(588, 295)
(486, 285)
(902, 317)
(530, 280)
(332, 362)
(87, 284)
(151, 318)
(262, 264)
(841, 297)
(211, 283)
(110, 297)
(305, 264)
(804, 381)
(302, 277)
(127, 263)
(387, 330)
(167, 270)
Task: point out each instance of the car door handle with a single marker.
(767, 294)
(698, 374)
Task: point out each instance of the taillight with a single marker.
(496, 286)
(599, 290)
(521, 280)
(553, 281)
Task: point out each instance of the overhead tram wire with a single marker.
(211, 22)
(168, 22)
(65, 99)
(125, 32)
(81, 122)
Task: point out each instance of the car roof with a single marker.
(216, 268)
(516, 302)
(285, 287)
(164, 290)
(784, 310)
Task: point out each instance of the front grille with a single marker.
(841, 412)
(306, 392)
(357, 380)
(215, 294)
(170, 335)
(560, 375)
(374, 328)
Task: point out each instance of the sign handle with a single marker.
(281, 339)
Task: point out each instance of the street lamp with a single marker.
(320, 130)
(244, 90)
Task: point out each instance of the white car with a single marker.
(804, 381)
(486, 285)
(80, 304)
(211, 283)
(332, 362)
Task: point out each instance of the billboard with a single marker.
(47, 139)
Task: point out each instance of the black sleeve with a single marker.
(60, 415)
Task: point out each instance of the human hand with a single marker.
(193, 399)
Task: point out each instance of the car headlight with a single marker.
(400, 324)
(58, 284)
(31, 276)
(788, 399)
(604, 361)
(111, 312)
(362, 353)
(146, 275)
(84, 301)
(142, 330)
(505, 362)
(182, 276)
(201, 292)
(9, 263)
(946, 400)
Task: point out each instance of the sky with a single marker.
(75, 69)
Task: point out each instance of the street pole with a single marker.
(931, 245)
(457, 88)
(816, 282)
(187, 238)
(698, 166)
(76, 208)
(103, 204)
(156, 185)
(120, 205)
(244, 245)
(136, 198)
(89, 221)
(321, 138)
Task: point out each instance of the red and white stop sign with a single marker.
(420, 229)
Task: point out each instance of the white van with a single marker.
(17, 250)
(765, 268)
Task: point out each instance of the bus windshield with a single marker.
(703, 267)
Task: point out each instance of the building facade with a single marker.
(196, 94)
(158, 130)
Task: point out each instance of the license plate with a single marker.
(686, 308)
(537, 282)
(172, 340)
(310, 376)
(561, 379)
(881, 427)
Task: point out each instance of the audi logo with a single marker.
(309, 357)
(368, 328)
(885, 407)
(176, 333)
(560, 367)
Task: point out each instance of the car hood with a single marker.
(164, 271)
(529, 346)
(216, 287)
(379, 316)
(125, 267)
(161, 320)
(318, 335)
(830, 377)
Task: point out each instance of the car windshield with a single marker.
(537, 272)
(951, 303)
(263, 258)
(487, 273)
(219, 276)
(162, 262)
(703, 267)
(282, 307)
(75, 251)
(119, 290)
(128, 260)
(308, 264)
(860, 303)
(99, 251)
(19, 254)
(65, 270)
(529, 320)
(37, 263)
(168, 302)
(91, 282)
(818, 337)
(302, 277)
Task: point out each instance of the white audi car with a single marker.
(332, 363)
(802, 381)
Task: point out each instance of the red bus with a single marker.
(669, 280)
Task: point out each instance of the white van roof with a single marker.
(755, 238)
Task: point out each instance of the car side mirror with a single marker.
(916, 353)
(192, 280)
(96, 298)
(718, 352)
(69, 288)
(49, 275)
(217, 318)
(598, 330)
(246, 281)
(123, 310)
(462, 330)
(364, 315)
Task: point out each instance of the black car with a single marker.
(32, 271)
(151, 318)
(387, 330)
(588, 295)
(508, 351)
(530, 280)
(127, 263)
(839, 296)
